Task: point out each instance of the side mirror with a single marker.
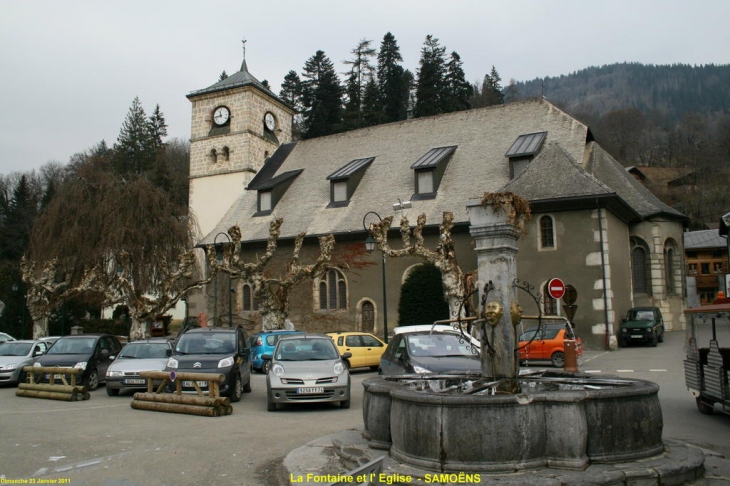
(347, 355)
(266, 357)
(37, 353)
(105, 353)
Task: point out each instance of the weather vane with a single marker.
(243, 41)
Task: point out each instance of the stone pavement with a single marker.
(339, 453)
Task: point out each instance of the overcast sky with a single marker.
(70, 69)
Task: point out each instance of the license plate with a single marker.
(636, 336)
(135, 381)
(311, 389)
(57, 377)
(201, 384)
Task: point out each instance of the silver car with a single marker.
(135, 357)
(14, 355)
(307, 369)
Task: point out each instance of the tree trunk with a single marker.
(273, 319)
(40, 326)
(140, 329)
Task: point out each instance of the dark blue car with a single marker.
(264, 342)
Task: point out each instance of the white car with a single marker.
(135, 357)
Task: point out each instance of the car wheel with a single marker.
(23, 378)
(92, 381)
(558, 359)
(247, 386)
(237, 391)
(661, 337)
(112, 392)
(345, 404)
(270, 406)
(653, 340)
(621, 343)
(704, 407)
(265, 367)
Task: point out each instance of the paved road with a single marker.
(103, 441)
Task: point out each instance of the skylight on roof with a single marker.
(526, 144)
(433, 157)
(350, 168)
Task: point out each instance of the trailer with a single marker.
(706, 367)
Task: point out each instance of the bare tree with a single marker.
(454, 279)
(272, 293)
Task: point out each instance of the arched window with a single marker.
(669, 270)
(250, 303)
(550, 305)
(333, 291)
(640, 269)
(214, 155)
(226, 154)
(547, 232)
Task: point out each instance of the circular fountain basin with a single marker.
(563, 420)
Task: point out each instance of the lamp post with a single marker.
(219, 257)
(370, 247)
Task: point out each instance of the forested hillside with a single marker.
(670, 91)
(672, 119)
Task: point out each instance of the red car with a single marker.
(546, 344)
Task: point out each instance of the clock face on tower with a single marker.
(221, 115)
(269, 121)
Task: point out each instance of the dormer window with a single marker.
(265, 201)
(345, 180)
(271, 191)
(429, 170)
(522, 151)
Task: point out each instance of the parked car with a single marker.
(429, 352)
(440, 328)
(4, 337)
(264, 342)
(307, 368)
(92, 353)
(546, 343)
(365, 349)
(135, 357)
(14, 355)
(642, 325)
(221, 350)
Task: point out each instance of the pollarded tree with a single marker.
(271, 292)
(443, 257)
(321, 97)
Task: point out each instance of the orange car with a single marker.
(546, 344)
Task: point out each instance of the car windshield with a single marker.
(144, 351)
(306, 350)
(73, 346)
(642, 315)
(437, 345)
(206, 343)
(15, 349)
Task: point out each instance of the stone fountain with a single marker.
(502, 424)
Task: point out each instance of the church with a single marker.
(593, 224)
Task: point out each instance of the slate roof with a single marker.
(604, 167)
(477, 165)
(694, 240)
(236, 80)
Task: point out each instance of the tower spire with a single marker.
(244, 67)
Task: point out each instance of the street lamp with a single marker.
(370, 247)
(219, 257)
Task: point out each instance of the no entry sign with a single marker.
(556, 288)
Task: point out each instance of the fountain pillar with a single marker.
(496, 224)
